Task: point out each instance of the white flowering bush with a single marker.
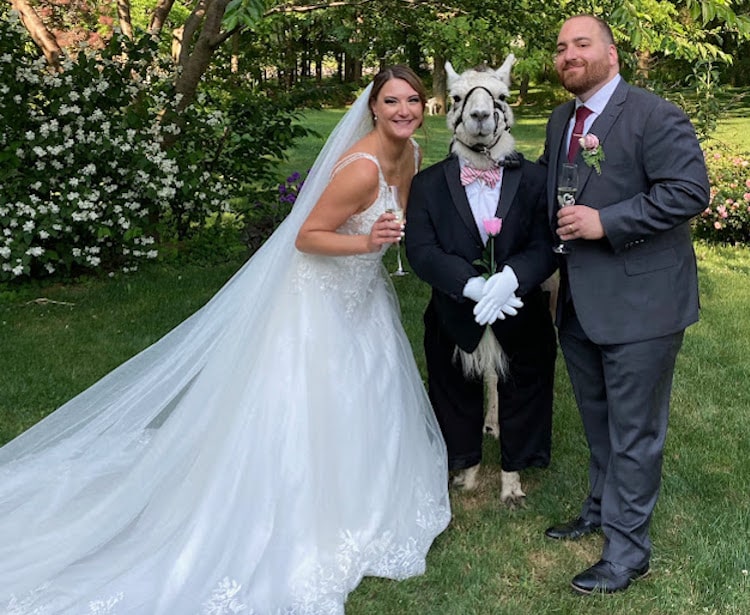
(84, 181)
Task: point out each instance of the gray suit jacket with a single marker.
(640, 281)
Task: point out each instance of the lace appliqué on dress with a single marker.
(324, 587)
(224, 601)
(25, 606)
(352, 278)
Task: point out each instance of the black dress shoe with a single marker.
(578, 528)
(607, 578)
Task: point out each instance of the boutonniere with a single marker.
(492, 226)
(592, 153)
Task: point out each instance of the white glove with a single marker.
(497, 292)
(509, 309)
(474, 287)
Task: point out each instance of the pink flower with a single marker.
(592, 153)
(717, 226)
(589, 142)
(493, 226)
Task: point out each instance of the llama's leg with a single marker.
(491, 417)
(511, 493)
(552, 286)
(467, 478)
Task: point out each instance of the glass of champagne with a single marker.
(394, 207)
(567, 186)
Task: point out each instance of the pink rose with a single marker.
(492, 226)
(589, 141)
(746, 196)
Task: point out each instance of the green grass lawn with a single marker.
(491, 561)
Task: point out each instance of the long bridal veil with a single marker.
(163, 487)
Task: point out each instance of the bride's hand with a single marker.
(386, 230)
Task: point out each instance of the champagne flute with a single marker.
(394, 207)
(567, 186)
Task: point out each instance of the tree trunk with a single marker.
(159, 17)
(123, 12)
(39, 32)
(440, 80)
(235, 61)
(194, 59)
(523, 90)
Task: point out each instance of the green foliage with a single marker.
(86, 182)
(727, 217)
(243, 13)
(83, 176)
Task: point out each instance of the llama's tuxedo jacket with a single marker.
(442, 243)
(625, 300)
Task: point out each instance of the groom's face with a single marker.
(585, 60)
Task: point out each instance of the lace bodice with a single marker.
(353, 277)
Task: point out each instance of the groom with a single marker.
(628, 287)
(445, 236)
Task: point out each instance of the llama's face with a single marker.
(479, 113)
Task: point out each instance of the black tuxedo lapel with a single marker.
(508, 190)
(458, 196)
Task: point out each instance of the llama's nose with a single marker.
(479, 115)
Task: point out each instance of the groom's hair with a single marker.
(606, 31)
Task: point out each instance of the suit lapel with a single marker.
(508, 190)
(601, 128)
(458, 196)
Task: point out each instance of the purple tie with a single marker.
(581, 114)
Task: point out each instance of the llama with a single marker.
(480, 119)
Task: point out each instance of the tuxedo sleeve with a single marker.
(533, 260)
(442, 270)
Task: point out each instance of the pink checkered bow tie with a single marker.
(488, 176)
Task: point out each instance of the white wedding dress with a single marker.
(260, 459)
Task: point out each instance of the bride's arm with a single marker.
(352, 190)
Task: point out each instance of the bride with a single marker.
(268, 452)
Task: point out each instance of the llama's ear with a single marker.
(452, 74)
(503, 72)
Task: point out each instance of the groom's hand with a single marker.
(496, 295)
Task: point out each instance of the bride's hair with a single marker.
(398, 72)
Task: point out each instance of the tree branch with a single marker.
(39, 32)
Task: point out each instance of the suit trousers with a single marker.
(525, 397)
(623, 393)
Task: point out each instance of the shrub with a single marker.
(727, 217)
(85, 182)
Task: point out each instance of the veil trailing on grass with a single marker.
(260, 457)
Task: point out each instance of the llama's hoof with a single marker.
(466, 479)
(511, 494)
